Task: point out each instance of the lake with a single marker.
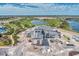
(74, 25)
(38, 22)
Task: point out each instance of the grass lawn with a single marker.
(17, 26)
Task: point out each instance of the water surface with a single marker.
(38, 22)
(2, 30)
(74, 25)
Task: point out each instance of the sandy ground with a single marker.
(70, 35)
(28, 49)
(67, 33)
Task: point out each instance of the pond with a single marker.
(74, 25)
(38, 22)
(2, 30)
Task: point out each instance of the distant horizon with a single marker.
(32, 9)
(39, 15)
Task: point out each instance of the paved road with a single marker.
(20, 46)
(14, 50)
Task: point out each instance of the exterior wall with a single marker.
(37, 34)
(37, 42)
(34, 41)
(41, 42)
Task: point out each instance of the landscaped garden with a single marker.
(58, 23)
(17, 26)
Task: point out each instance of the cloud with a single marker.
(40, 9)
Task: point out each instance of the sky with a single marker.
(39, 9)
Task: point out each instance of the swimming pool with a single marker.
(2, 30)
